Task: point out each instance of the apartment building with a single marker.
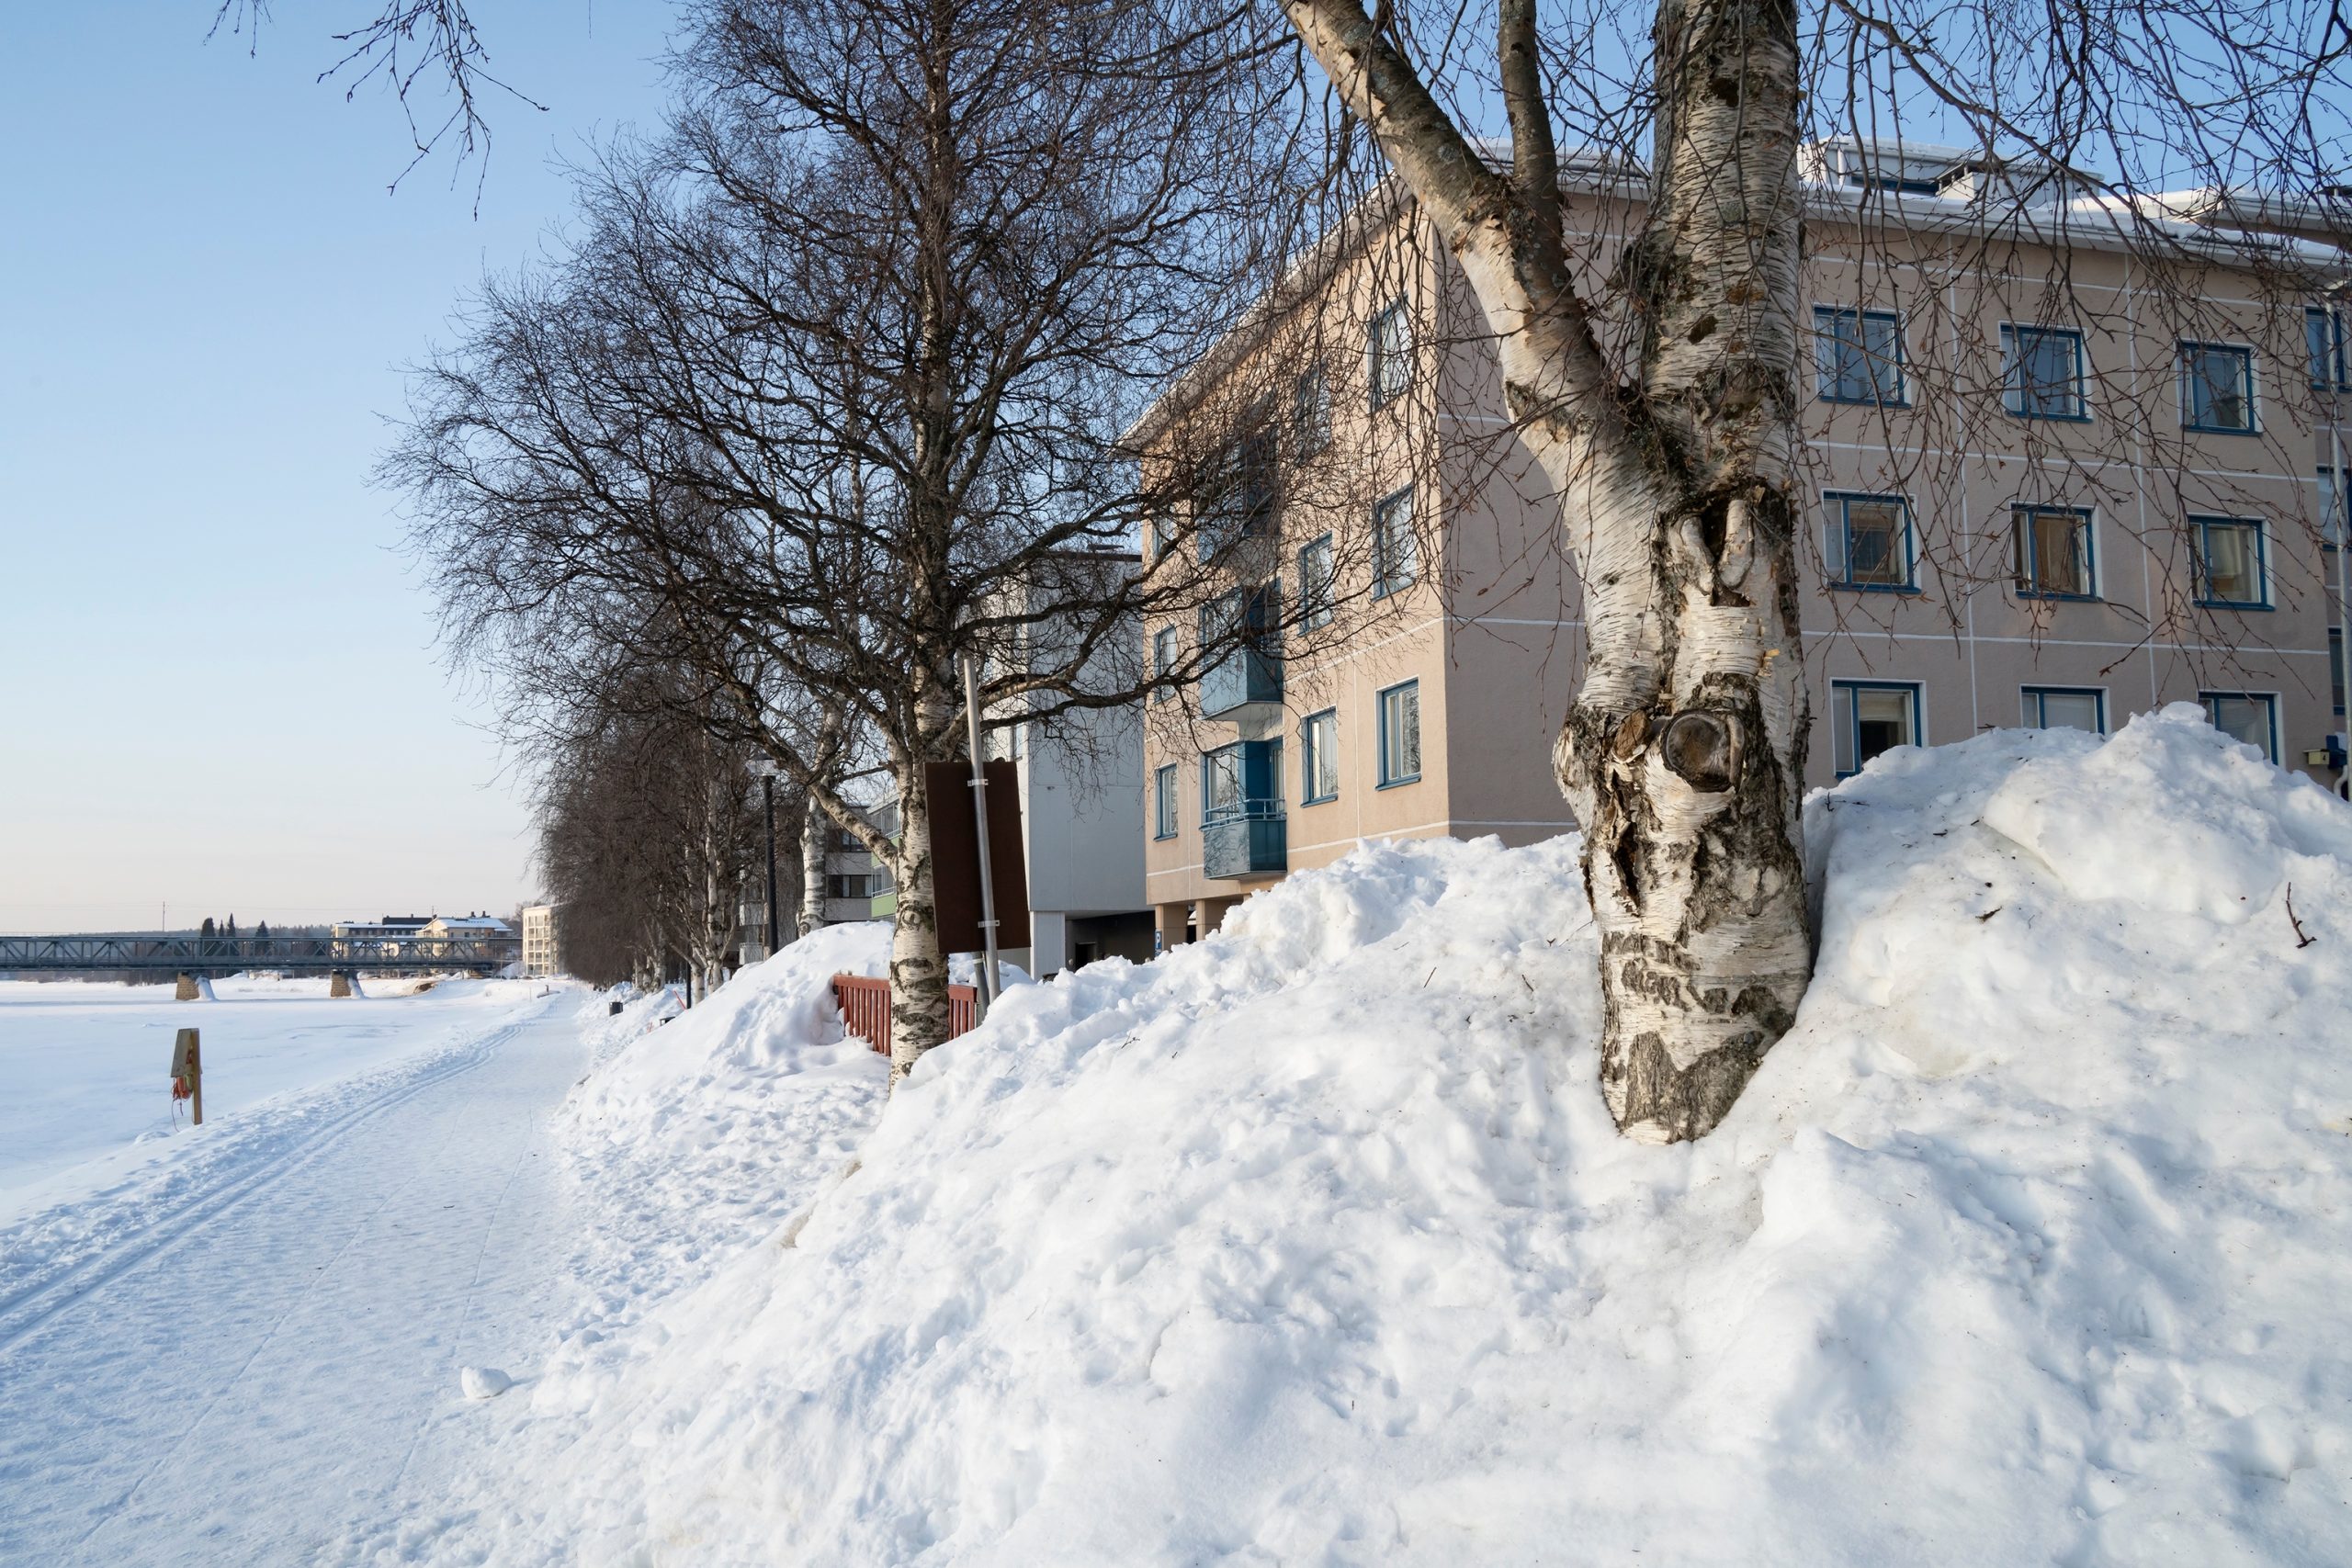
(2046, 492)
(542, 959)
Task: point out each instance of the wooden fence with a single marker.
(865, 1008)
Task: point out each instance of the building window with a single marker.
(1868, 544)
(2042, 368)
(2323, 342)
(849, 885)
(1858, 356)
(1163, 534)
(1163, 802)
(2230, 563)
(846, 842)
(1401, 734)
(2250, 716)
(1310, 413)
(2216, 389)
(1395, 548)
(2336, 666)
(2333, 514)
(2052, 553)
(1391, 345)
(2065, 707)
(1867, 718)
(1163, 660)
(1319, 758)
(1316, 584)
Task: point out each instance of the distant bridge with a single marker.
(228, 954)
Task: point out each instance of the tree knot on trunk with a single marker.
(1702, 749)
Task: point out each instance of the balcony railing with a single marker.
(1250, 842)
(1243, 680)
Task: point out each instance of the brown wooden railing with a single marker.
(865, 1002)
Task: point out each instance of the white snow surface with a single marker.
(1311, 1243)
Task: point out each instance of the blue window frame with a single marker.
(1858, 356)
(1401, 734)
(2065, 707)
(1163, 660)
(1867, 543)
(2216, 389)
(1316, 584)
(2053, 554)
(1389, 346)
(1310, 413)
(2042, 373)
(1395, 547)
(1867, 718)
(2250, 716)
(2324, 343)
(2231, 563)
(1319, 758)
(1163, 802)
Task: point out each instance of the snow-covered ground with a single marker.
(221, 1345)
(1311, 1243)
(87, 1065)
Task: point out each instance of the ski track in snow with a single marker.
(233, 1377)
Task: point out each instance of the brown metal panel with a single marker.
(955, 855)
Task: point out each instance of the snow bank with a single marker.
(1311, 1243)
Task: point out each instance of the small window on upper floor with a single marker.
(2042, 373)
(1858, 356)
(2051, 553)
(1395, 547)
(2216, 389)
(2250, 716)
(1163, 802)
(1163, 660)
(1866, 542)
(1390, 344)
(2230, 562)
(1310, 414)
(1316, 584)
(2323, 345)
(2065, 707)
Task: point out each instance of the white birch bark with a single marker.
(1682, 756)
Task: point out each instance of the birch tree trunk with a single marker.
(918, 969)
(816, 833)
(1682, 756)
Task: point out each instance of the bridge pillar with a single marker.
(338, 984)
(186, 990)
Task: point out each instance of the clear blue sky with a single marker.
(220, 689)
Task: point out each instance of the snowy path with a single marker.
(277, 1351)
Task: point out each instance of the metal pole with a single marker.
(986, 991)
(2340, 527)
(767, 785)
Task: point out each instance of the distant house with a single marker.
(440, 933)
(385, 938)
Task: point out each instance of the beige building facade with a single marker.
(2042, 491)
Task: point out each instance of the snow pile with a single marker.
(702, 1130)
(1311, 1243)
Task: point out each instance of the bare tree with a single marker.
(826, 398)
(1660, 396)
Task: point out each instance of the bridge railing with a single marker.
(109, 952)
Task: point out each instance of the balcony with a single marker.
(1245, 684)
(1238, 847)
